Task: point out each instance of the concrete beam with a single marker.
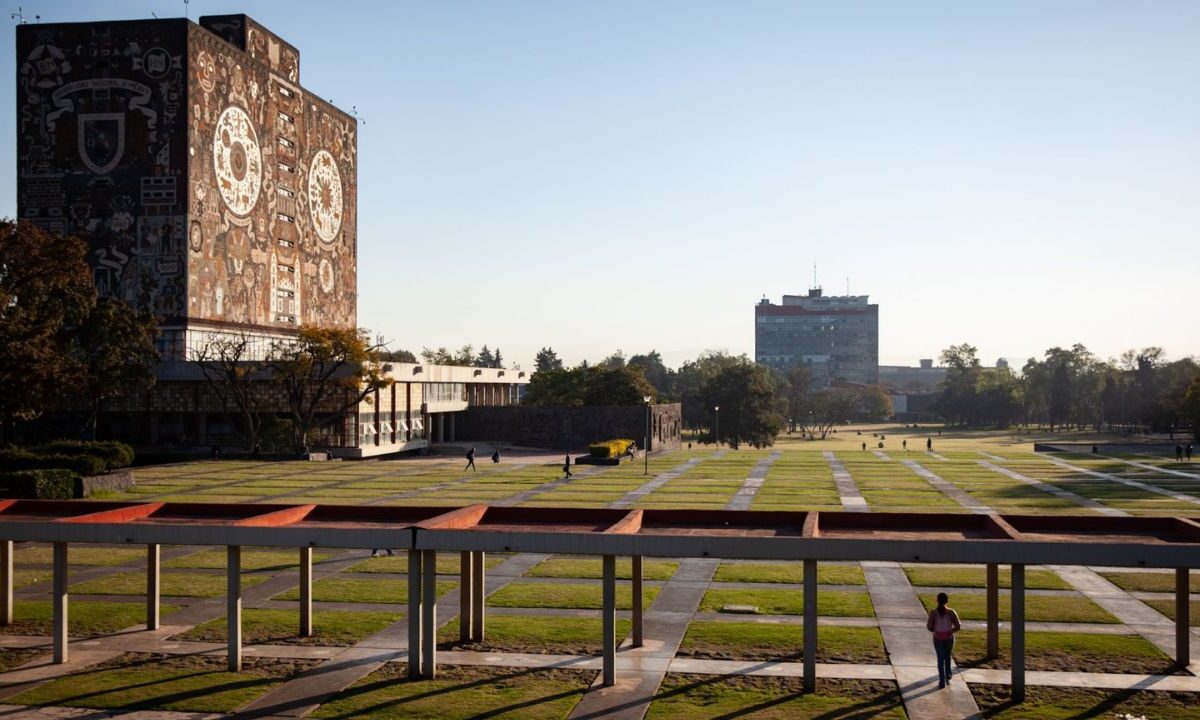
(479, 576)
(414, 613)
(609, 619)
(1183, 607)
(306, 611)
(1018, 633)
(429, 614)
(60, 602)
(466, 598)
(233, 605)
(993, 611)
(638, 636)
(810, 625)
(153, 558)
(6, 582)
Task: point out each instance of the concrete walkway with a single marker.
(1054, 490)
(1155, 468)
(744, 497)
(630, 498)
(1182, 497)
(948, 489)
(848, 492)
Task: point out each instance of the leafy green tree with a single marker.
(46, 292)
(497, 359)
(656, 372)
(325, 372)
(746, 395)
(1191, 406)
(957, 402)
(485, 359)
(401, 355)
(1060, 395)
(546, 360)
(616, 360)
(617, 386)
(115, 348)
(557, 387)
(690, 380)
(236, 378)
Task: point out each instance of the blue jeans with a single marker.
(943, 648)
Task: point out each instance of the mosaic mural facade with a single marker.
(214, 189)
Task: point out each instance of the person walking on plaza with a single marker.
(471, 461)
(905, 444)
(567, 467)
(1188, 451)
(929, 444)
(496, 457)
(1178, 452)
(943, 623)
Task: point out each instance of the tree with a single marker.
(115, 348)
(958, 402)
(829, 407)
(463, 357)
(325, 372)
(546, 360)
(1191, 406)
(656, 372)
(403, 356)
(616, 360)
(1060, 395)
(745, 393)
(228, 366)
(617, 386)
(497, 360)
(46, 292)
(690, 380)
(485, 358)
(795, 387)
(557, 387)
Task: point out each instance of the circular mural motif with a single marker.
(325, 195)
(237, 160)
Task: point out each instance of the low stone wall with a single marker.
(110, 482)
(1164, 449)
(570, 428)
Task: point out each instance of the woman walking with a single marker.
(943, 623)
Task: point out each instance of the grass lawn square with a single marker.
(165, 682)
(81, 555)
(252, 559)
(713, 697)
(787, 573)
(1167, 607)
(790, 602)
(1038, 608)
(24, 577)
(361, 590)
(447, 564)
(460, 692)
(565, 595)
(976, 577)
(775, 641)
(541, 634)
(1066, 652)
(170, 585)
(15, 657)
(330, 627)
(1150, 581)
(84, 618)
(1049, 703)
(563, 567)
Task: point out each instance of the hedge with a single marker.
(115, 454)
(20, 459)
(609, 448)
(53, 484)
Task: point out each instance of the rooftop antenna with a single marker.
(20, 15)
(186, 11)
(814, 275)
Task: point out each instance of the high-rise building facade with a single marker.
(835, 337)
(214, 189)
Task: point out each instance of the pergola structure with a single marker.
(474, 530)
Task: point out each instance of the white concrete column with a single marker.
(233, 605)
(429, 614)
(479, 573)
(638, 637)
(414, 613)
(306, 616)
(153, 557)
(609, 620)
(993, 610)
(1183, 625)
(810, 625)
(466, 598)
(1018, 633)
(6, 582)
(60, 602)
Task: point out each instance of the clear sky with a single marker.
(636, 175)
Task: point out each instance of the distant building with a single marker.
(905, 378)
(835, 336)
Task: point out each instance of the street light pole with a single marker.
(717, 424)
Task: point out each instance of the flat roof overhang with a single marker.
(830, 536)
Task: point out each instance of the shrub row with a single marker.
(115, 454)
(22, 459)
(51, 484)
(609, 448)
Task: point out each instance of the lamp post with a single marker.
(646, 437)
(717, 424)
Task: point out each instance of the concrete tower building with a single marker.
(213, 188)
(836, 337)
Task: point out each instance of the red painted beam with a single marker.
(628, 525)
(463, 518)
(116, 515)
(286, 516)
(5, 504)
